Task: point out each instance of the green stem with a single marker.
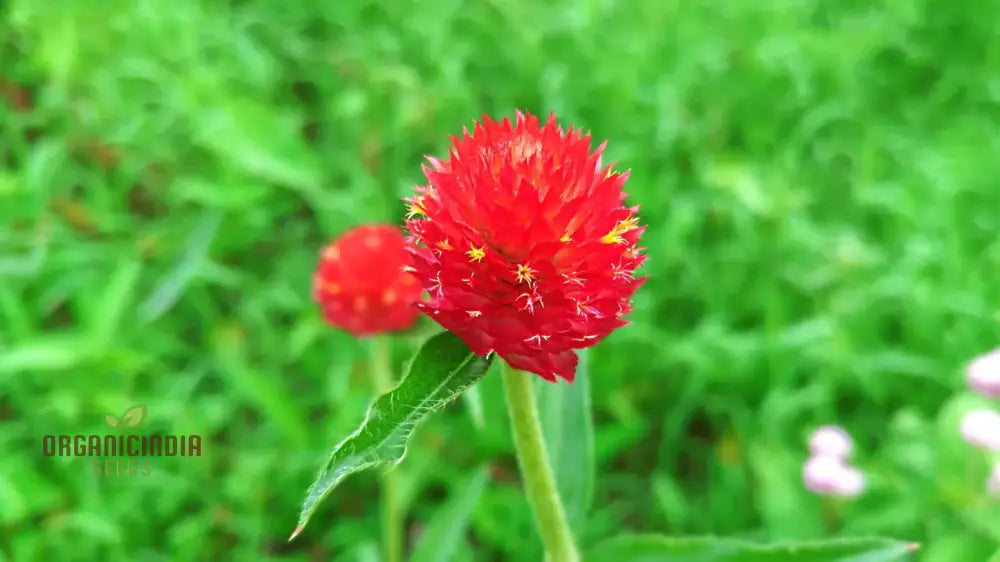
(392, 526)
(831, 514)
(532, 457)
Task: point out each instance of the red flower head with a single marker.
(522, 240)
(361, 285)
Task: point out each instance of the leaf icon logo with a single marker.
(134, 415)
(131, 418)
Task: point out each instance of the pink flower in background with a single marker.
(831, 441)
(852, 482)
(993, 483)
(983, 374)
(827, 472)
(982, 429)
(830, 476)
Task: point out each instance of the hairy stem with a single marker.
(533, 458)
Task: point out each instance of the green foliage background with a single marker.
(819, 181)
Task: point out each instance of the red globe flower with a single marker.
(522, 240)
(361, 283)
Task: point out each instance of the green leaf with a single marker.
(647, 548)
(658, 548)
(568, 427)
(261, 141)
(171, 289)
(443, 534)
(441, 370)
(474, 404)
(115, 302)
(50, 352)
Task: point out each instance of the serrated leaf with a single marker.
(647, 548)
(659, 548)
(442, 369)
(134, 415)
(835, 550)
(443, 534)
(568, 428)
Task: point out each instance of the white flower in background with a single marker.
(993, 483)
(851, 482)
(983, 374)
(831, 441)
(982, 429)
(830, 476)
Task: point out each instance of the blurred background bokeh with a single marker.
(819, 181)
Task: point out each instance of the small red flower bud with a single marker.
(523, 242)
(363, 282)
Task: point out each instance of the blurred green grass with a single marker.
(819, 182)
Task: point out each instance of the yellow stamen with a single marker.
(415, 208)
(615, 236)
(445, 245)
(584, 309)
(565, 238)
(477, 254)
(525, 274)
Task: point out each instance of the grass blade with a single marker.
(568, 427)
(443, 535)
